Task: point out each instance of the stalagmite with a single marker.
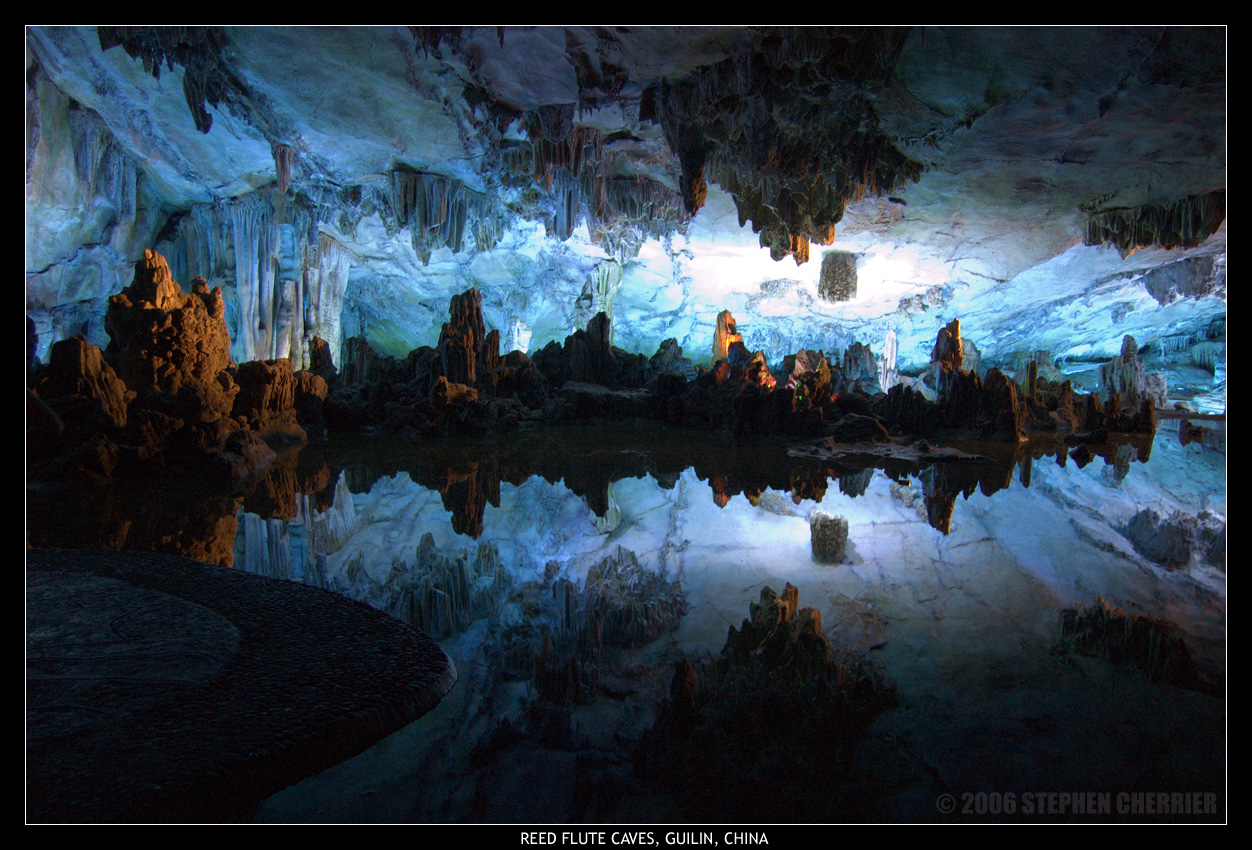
(164, 339)
(725, 334)
(948, 354)
(1123, 377)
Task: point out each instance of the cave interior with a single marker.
(575, 346)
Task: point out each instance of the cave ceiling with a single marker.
(1029, 181)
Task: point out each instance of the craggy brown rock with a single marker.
(163, 339)
(725, 334)
(948, 351)
(311, 392)
(266, 399)
(462, 337)
(310, 383)
(447, 395)
(76, 367)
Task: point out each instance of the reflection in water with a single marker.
(586, 580)
(197, 521)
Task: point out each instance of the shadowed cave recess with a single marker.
(772, 424)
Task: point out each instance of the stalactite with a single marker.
(325, 282)
(794, 159)
(284, 158)
(255, 238)
(438, 211)
(888, 371)
(106, 217)
(1183, 223)
(577, 152)
(200, 244)
(207, 80)
(261, 257)
(103, 169)
(570, 164)
(568, 200)
(599, 290)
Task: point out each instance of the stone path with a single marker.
(162, 689)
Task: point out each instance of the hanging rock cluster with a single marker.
(783, 127)
(829, 537)
(207, 80)
(1182, 223)
(837, 281)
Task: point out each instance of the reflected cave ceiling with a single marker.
(1054, 189)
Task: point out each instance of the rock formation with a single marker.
(627, 605)
(717, 743)
(1184, 222)
(838, 276)
(1175, 540)
(948, 354)
(1153, 645)
(77, 368)
(792, 171)
(724, 336)
(829, 537)
(1124, 377)
(266, 401)
(163, 339)
(176, 396)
